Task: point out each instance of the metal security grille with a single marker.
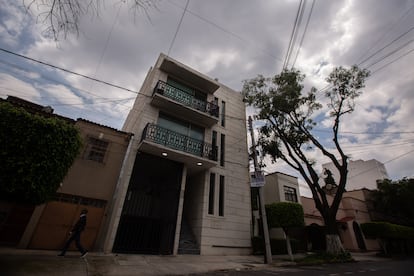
(149, 214)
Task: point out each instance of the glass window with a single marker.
(96, 149)
(223, 113)
(221, 196)
(290, 194)
(222, 149)
(211, 193)
(181, 127)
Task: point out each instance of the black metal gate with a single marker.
(149, 214)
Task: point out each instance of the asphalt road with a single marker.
(365, 268)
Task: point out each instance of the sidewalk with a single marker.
(43, 262)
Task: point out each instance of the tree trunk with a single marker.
(333, 241)
(334, 244)
(288, 246)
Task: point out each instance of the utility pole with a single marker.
(262, 209)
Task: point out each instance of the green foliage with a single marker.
(386, 230)
(394, 199)
(278, 246)
(284, 214)
(36, 153)
(393, 238)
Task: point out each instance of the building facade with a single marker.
(90, 183)
(361, 174)
(184, 187)
(281, 187)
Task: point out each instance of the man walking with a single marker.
(75, 235)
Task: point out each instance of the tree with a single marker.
(62, 17)
(393, 201)
(36, 153)
(288, 121)
(285, 215)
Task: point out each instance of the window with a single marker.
(181, 127)
(290, 194)
(223, 113)
(222, 149)
(214, 139)
(221, 196)
(96, 149)
(211, 193)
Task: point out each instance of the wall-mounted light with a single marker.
(164, 154)
(199, 164)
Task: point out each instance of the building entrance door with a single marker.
(149, 214)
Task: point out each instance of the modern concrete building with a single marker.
(184, 187)
(361, 174)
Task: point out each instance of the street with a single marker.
(366, 268)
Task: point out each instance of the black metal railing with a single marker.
(187, 99)
(178, 141)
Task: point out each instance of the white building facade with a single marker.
(361, 174)
(184, 187)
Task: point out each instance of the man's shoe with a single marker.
(84, 254)
(61, 255)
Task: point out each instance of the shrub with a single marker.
(36, 153)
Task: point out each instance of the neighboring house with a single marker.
(352, 212)
(279, 187)
(90, 183)
(185, 184)
(361, 174)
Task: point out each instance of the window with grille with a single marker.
(96, 149)
(290, 194)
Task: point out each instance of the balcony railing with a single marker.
(187, 99)
(178, 141)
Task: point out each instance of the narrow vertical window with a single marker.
(222, 149)
(221, 196)
(214, 144)
(211, 193)
(223, 113)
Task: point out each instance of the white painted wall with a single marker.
(361, 174)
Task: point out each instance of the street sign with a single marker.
(257, 179)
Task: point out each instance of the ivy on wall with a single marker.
(36, 153)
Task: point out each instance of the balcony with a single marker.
(194, 153)
(180, 103)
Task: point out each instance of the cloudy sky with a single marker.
(231, 40)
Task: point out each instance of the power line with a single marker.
(304, 33)
(293, 35)
(391, 62)
(178, 27)
(226, 31)
(392, 26)
(369, 132)
(68, 71)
